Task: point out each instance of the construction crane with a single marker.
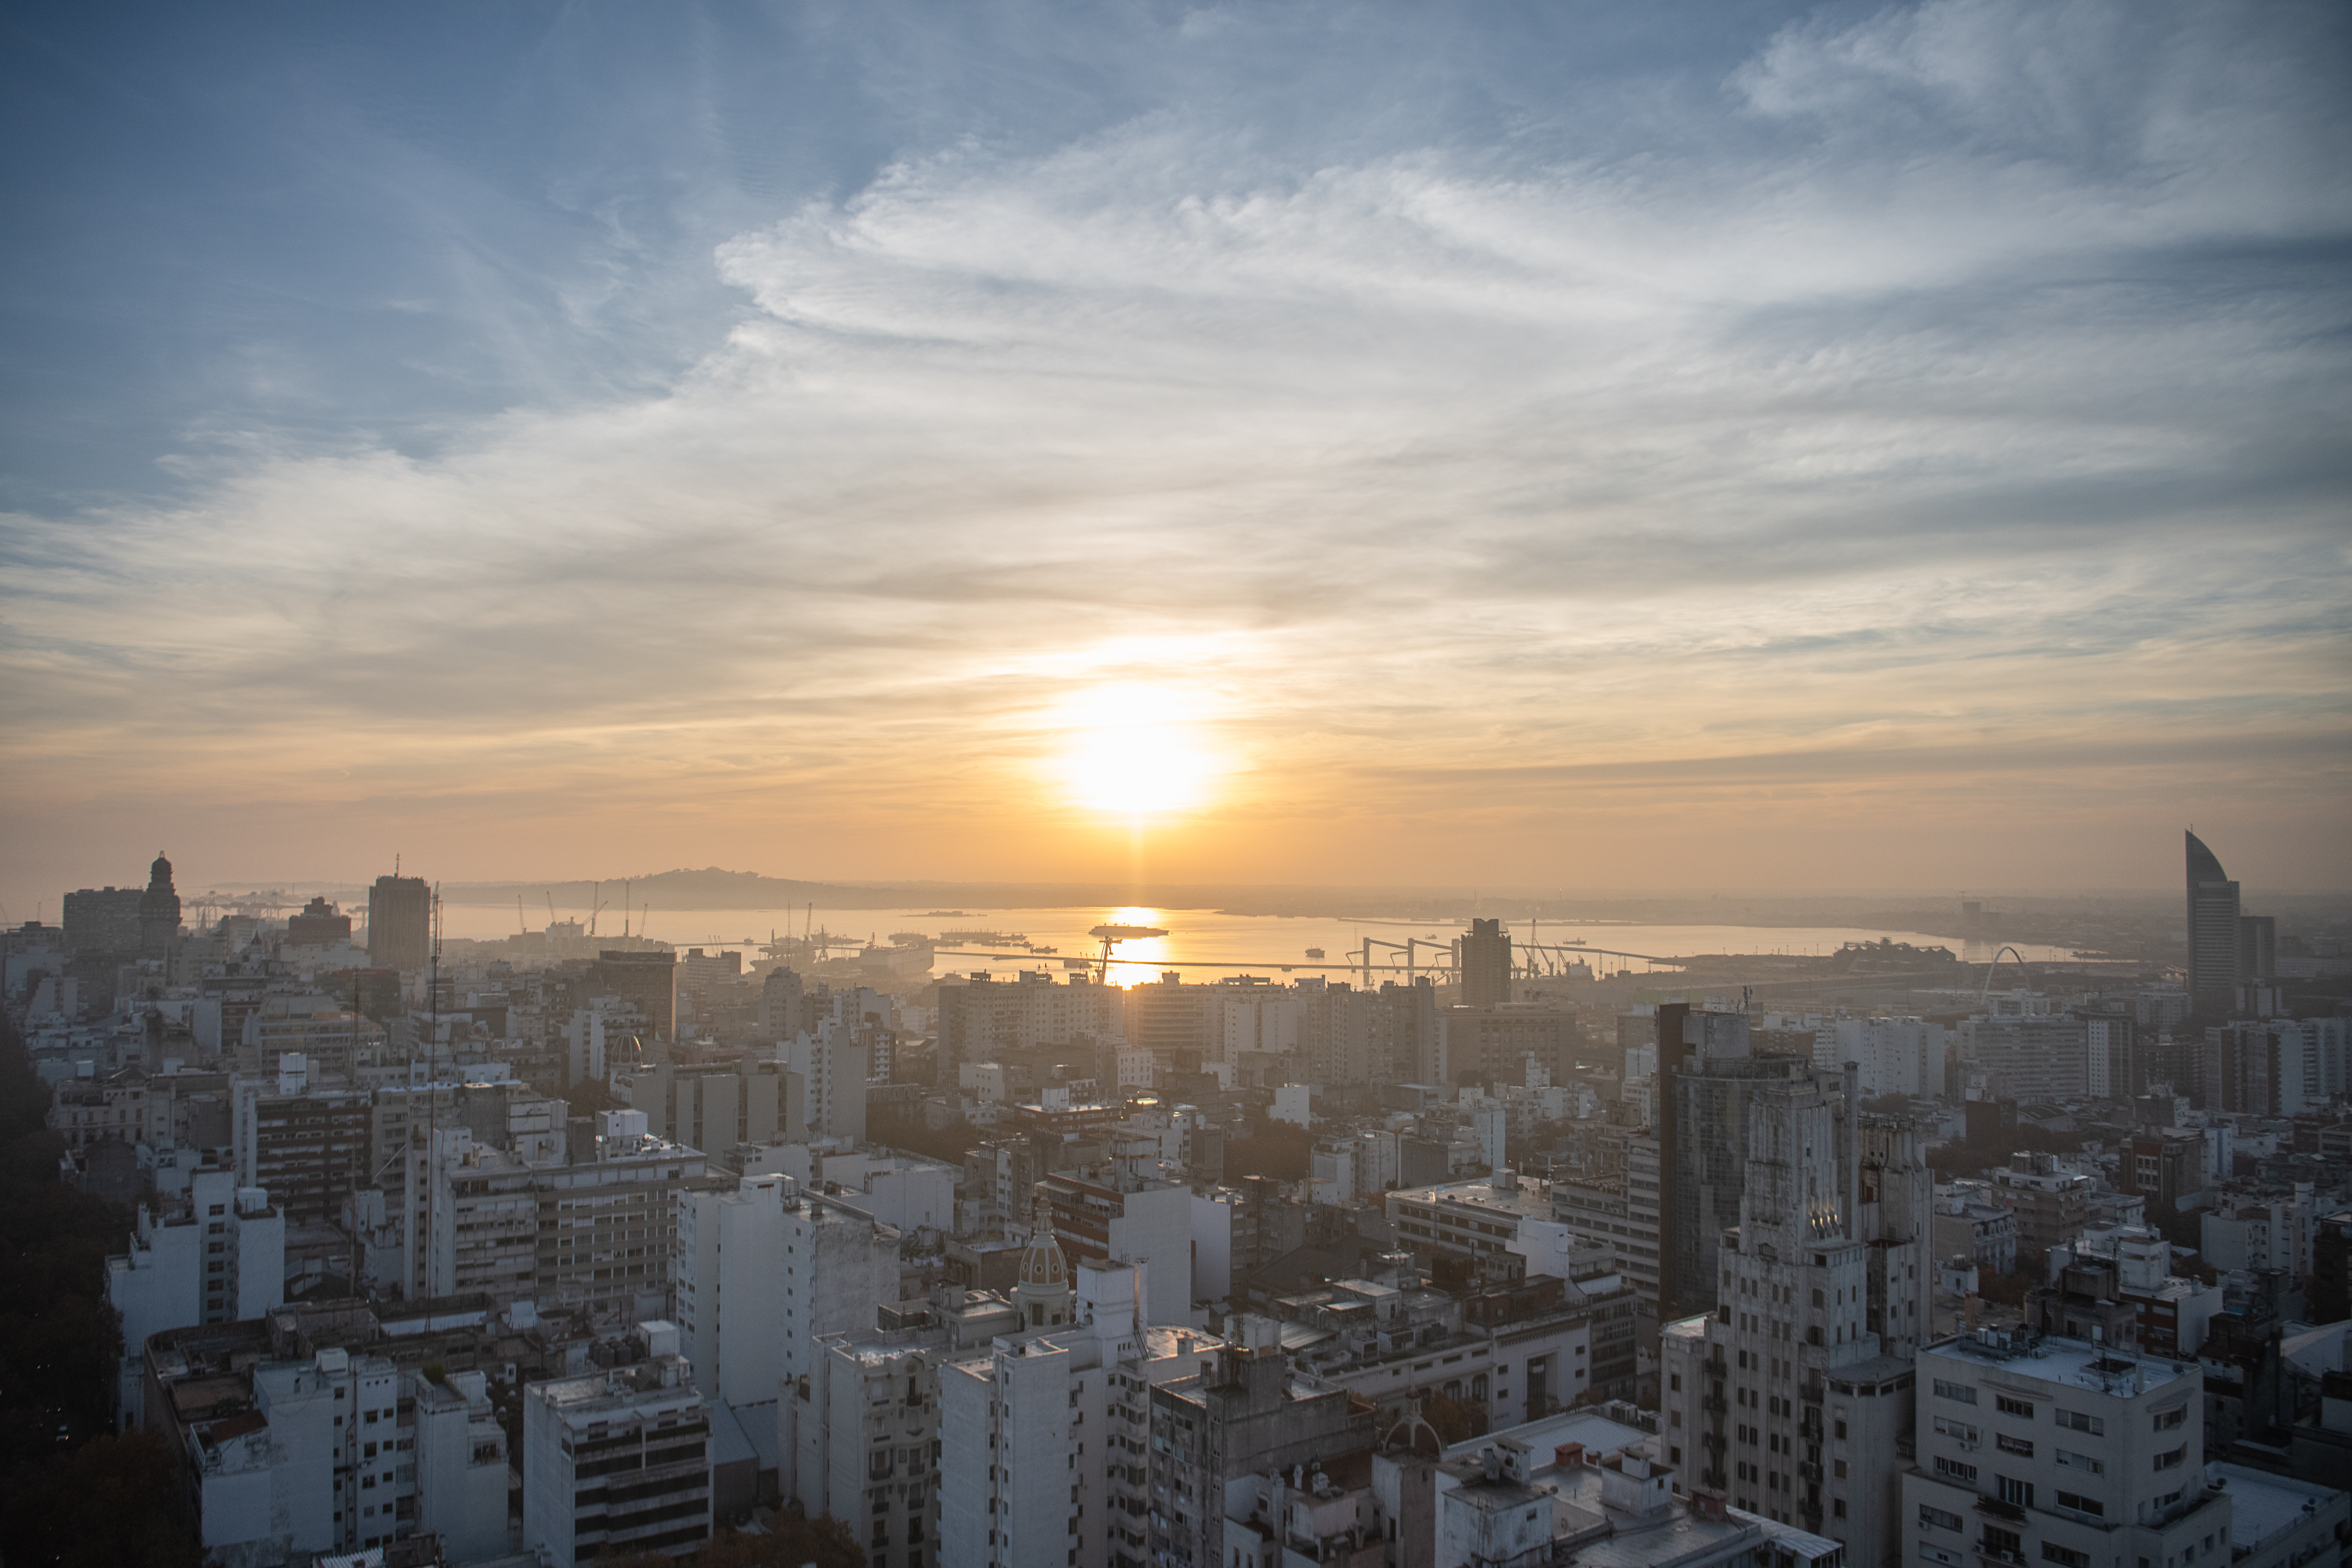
(1111, 936)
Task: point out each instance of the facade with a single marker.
(222, 1259)
(646, 980)
(159, 911)
(319, 924)
(1486, 964)
(1620, 1214)
(2035, 1450)
(2030, 1057)
(762, 1272)
(1046, 1436)
(1789, 1398)
(1707, 1077)
(400, 923)
(618, 1461)
(1245, 1414)
(2052, 1205)
(869, 1446)
(1500, 1044)
(2212, 932)
(103, 920)
(1894, 1055)
(1108, 1218)
(459, 1464)
(985, 1019)
(308, 1147)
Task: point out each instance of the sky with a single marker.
(1563, 446)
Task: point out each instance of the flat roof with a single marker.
(2052, 1360)
(1526, 1201)
(2266, 1505)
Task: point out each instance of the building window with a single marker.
(2165, 1420)
(1837, 1507)
(2081, 1504)
(1953, 1471)
(2068, 1460)
(2065, 1556)
(2016, 1492)
(2008, 1407)
(2075, 1421)
(2017, 1446)
(1959, 1391)
(2167, 1461)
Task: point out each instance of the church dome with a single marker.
(1041, 1262)
(159, 875)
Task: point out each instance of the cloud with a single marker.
(1976, 369)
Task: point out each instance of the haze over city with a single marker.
(1026, 783)
(1674, 446)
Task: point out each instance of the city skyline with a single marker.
(1721, 446)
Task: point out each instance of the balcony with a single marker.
(1992, 1554)
(1715, 1405)
(1810, 1470)
(1713, 1441)
(1995, 1509)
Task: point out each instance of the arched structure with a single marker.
(1985, 997)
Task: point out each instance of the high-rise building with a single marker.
(104, 921)
(1105, 1216)
(617, 1461)
(2257, 948)
(1789, 1398)
(1706, 1076)
(159, 911)
(2212, 932)
(1500, 1044)
(647, 980)
(1486, 964)
(400, 922)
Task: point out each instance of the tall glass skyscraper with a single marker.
(2212, 932)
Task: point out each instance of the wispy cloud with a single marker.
(1961, 382)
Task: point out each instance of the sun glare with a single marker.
(1130, 753)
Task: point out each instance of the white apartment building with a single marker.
(219, 1259)
(761, 1273)
(617, 1461)
(1044, 1437)
(2050, 1451)
(830, 1063)
(869, 1433)
(1895, 1056)
(459, 1464)
(1788, 1400)
(601, 1231)
(1105, 1217)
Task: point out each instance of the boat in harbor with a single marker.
(1314, 952)
(985, 938)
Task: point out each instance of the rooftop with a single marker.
(2050, 1359)
(1525, 1200)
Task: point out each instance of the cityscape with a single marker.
(1176, 784)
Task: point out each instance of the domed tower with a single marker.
(159, 911)
(1042, 1294)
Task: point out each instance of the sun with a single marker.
(1130, 753)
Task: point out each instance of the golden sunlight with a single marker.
(1132, 755)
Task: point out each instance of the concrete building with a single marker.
(1518, 1043)
(2030, 1057)
(762, 1272)
(309, 1146)
(828, 1066)
(618, 1461)
(2052, 1207)
(1245, 1415)
(1103, 1217)
(2041, 1449)
(400, 922)
(983, 1019)
(869, 1433)
(459, 1463)
(599, 1232)
(1486, 964)
(220, 1258)
(102, 921)
(1707, 1077)
(1620, 1214)
(646, 980)
(2213, 928)
(1790, 1398)
(1044, 1437)
(1893, 1056)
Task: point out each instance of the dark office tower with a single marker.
(159, 911)
(400, 922)
(104, 921)
(1707, 1074)
(1486, 964)
(647, 979)
(2212, 934)
(2257, 948)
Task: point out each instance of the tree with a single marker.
(116, 1502)
(1452, 1421)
